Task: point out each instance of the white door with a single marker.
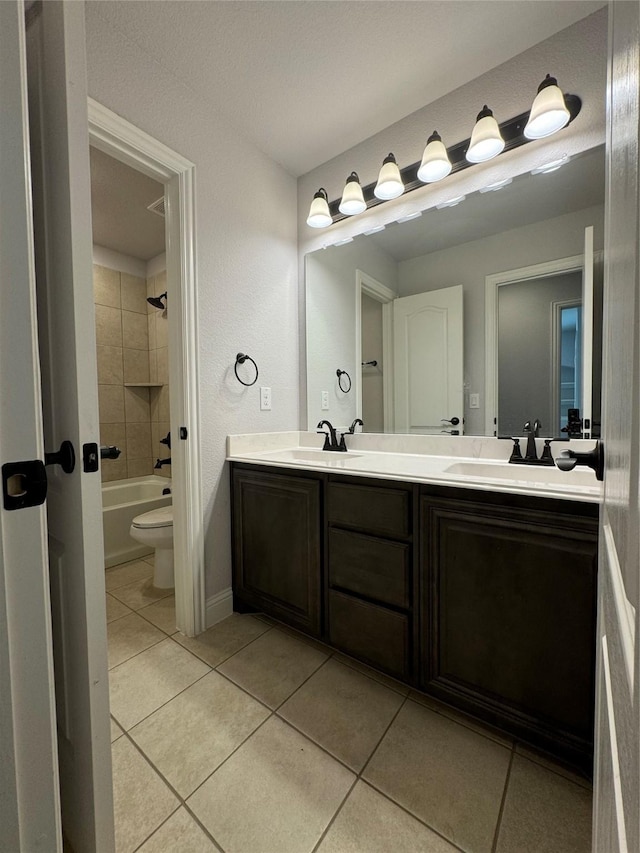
(63, 241)
(617, 736)
(29, 797)
(587, 332)
(428, 362)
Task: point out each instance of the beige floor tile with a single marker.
(140, 593)
(389, 682)
(273, 666)
(224, 639)
(180, 834)
(141, 800)
(343, 711)
(459, 717)
(150, 558)
(370, 823)
(128, 636)
(190, 736)
(116, 731)
(544, 813)
(162, 614)
(443, 773)
(143, 684)
(127, 573)
(115, 608)
(276, 794)
(550, 764)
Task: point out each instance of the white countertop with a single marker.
(457, 461)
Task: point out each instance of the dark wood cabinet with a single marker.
(277, 546)
(484, 600)
(508, 616)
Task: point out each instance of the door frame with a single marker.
(547, 269)
(120, 139)
(369, 286)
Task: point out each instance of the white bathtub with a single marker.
(122, 500)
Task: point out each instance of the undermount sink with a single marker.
(521, 473)
(313, 457)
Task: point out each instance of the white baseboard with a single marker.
(218, 607)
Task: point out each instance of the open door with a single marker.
(63, 245)
(428, 362)
(617, 735)
(587, 334)
(29, 793)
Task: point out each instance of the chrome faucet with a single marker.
(331, 439)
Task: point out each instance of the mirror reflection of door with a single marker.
(372, 364)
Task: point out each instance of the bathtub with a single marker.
(122, 500)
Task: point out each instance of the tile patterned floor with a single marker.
(253, 739)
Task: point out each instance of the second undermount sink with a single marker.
(313, 457)
(522, 473)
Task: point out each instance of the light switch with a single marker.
(474, 401)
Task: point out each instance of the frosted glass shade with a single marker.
(389, 180)
(435, 161)
(549, 112)
(352, 201)
(319, 215)
(486, 139)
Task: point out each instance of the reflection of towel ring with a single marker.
(340, 374)
(240, 359)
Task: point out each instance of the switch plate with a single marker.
(325, 401)
(474, 401)
(265, 399)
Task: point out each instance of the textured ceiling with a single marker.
(119, 199)
(308, 79)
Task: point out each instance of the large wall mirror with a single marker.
(472, 318)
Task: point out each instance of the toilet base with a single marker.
(163, 573)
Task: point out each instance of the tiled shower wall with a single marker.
(159, 371)
(133, 418)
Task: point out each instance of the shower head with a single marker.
(157, 302)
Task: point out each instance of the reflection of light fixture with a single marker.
(435, 161)
(374, 230)
(389, 181)
(352, 199)
(552, 166)
(549, 112)
(498, 185)
(451, 203)
(486, 139)
(410, 216)
(319, 216)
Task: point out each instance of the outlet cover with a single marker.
(324, 401)
(265, 399)
(474, 401)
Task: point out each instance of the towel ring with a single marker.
(340, 374)
(240, 359)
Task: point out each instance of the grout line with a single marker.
(302, 683)
(168, 817)
(384, 734)
(462, 721)
(197, 820)
(337, 812)
(503, 801)
(137, 654)
(577, 780)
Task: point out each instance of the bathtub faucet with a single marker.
(161, 462)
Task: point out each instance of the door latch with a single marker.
(24, 484)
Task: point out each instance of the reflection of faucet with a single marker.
(532, 433)
(161, 462)
(353, 426)
(331, 439)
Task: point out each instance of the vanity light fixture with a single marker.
(352, 199)
(552, 166)
(435, 163)
(498, 185)
(389, 181)
(486, 140)
(374, 230)
(409, 216)
(549, 111)
(453, 202)
(319, 214)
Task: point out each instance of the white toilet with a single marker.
(155, 529)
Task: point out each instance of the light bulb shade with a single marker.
(486, 139)
(435, 161)
(319, 214)
(549, 111)
(389, 180)
(352, 201)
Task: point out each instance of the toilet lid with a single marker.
(162, 517)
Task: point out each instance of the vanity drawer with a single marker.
(372, 509)
(374, 634)
(377, 568)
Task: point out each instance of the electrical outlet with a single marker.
(474, 401)
(325, 401)
(265, 399)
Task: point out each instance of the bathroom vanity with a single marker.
(480, 592)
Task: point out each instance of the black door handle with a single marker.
(109, 451)
(452, 421)
(65, 457)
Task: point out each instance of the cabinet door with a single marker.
(276, 539)
(508, 617)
